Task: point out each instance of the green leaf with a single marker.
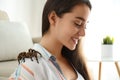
(108, 40)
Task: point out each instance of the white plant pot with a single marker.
(107, 52)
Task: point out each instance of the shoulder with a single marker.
(33, 67)
(30, 69)
(30, 54)
(33, 63)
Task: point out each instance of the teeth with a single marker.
(75, 40)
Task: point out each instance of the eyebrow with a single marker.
(80, 18)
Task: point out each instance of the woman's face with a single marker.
(71, 26)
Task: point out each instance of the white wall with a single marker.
(28, 11)
(104, 20)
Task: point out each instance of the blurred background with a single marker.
(104, 20)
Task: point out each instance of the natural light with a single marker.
(104, 20)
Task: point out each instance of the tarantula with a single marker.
(30, 54)
(21, 56)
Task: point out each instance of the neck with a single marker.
(52, 45)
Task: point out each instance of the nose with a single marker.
(81, 32)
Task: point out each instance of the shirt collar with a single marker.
(42, 50)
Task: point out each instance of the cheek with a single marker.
(68, 30)
(65, 30)
(65, 34)
(62, 33)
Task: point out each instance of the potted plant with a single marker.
(107, 47)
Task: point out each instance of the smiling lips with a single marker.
(75, 40)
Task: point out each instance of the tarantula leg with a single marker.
(19, 61)
(37, 59)
(23, 59)
(21, 56)
(31, 59)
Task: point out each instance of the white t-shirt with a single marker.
(46, 69)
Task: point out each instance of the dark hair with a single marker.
(61, 7)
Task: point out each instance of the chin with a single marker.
(72, 47)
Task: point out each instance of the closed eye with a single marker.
(80, 25)
(77, 24)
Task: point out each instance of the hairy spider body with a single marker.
(21, 56)
(30, 54)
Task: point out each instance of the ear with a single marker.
(52, 18)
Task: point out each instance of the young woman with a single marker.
(63, 26)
